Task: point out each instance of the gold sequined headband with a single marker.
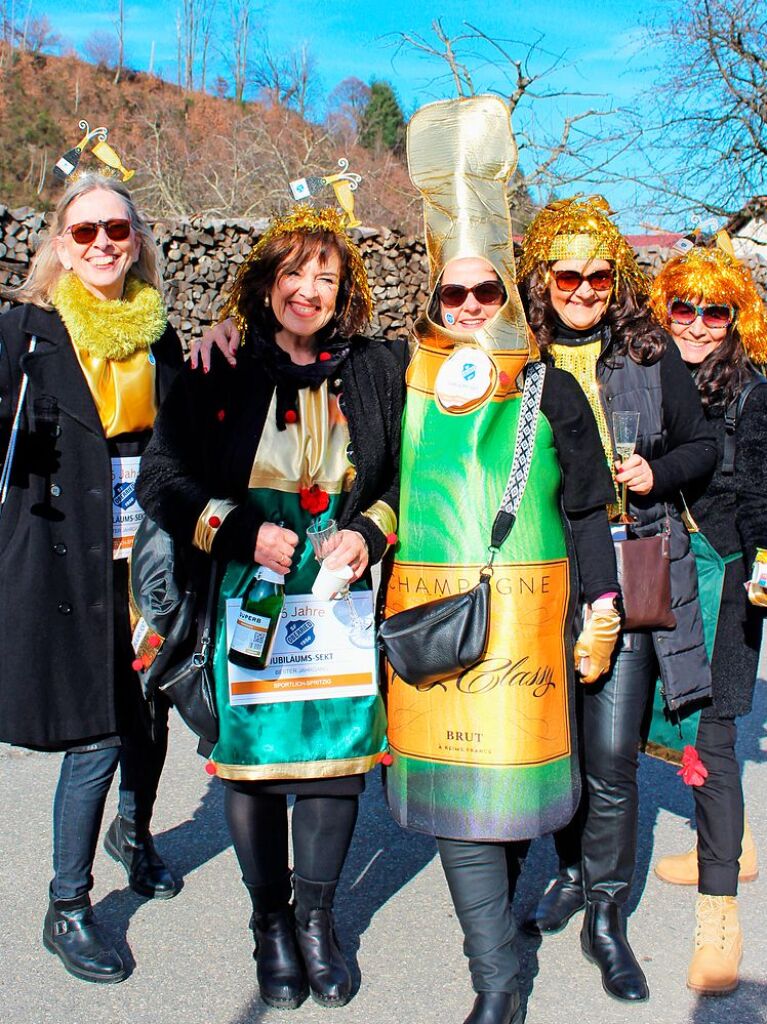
(304, 220)
(580, 229)
(714, 276)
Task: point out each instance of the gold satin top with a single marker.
(311, 451)
(123, 390)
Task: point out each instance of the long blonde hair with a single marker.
(46, 268)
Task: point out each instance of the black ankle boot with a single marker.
(563, 899)
(329, 978)
(70, 931)
(496, 1008)
(279, 969)
(147, 873)
(604, 942)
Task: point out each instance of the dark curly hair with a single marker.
(633, 329)
(723, 374)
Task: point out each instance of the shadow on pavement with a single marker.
(752, 1004)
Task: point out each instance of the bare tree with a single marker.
(705, 122)
(237, 54)
(102, 48)
(285, 79)
(585, 144)
(346, 105)
(38, 35)
(120, 29)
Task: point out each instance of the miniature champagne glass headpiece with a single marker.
(67, 165)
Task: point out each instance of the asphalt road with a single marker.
(191, 956)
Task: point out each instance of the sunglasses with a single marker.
(117, 230)
(682, 312)
(487, 293)
(571, 280)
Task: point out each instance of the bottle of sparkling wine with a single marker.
(257, 621)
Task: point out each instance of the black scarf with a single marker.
(289, 377)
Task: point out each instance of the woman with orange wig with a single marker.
(707, 300)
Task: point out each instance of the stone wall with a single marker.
(201, 256)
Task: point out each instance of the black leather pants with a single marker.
(477, 876)
(613, 709)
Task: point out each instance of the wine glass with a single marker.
(625, 430)
(322, 538)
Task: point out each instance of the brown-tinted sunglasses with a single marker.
(117, 230)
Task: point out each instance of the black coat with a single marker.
(56, 573)
(208, 431)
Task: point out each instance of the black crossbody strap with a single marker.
(523, 454)
(731, 419)
(201, 656)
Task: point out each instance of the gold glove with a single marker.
(757, 595)
(595, 646)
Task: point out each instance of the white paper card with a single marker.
(126, 511)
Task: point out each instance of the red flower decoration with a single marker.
(314, 500)
(221, 415)
(324, 356)
(693, 771)
(291, 416)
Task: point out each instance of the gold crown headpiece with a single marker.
(67, 165)
(715, 276)
(580, 229)
(304, 220)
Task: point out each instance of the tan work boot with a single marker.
(713, 970)
(682, 868)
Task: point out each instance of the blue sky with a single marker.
(603, 44)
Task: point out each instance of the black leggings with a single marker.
(322, 833)
(718, 808)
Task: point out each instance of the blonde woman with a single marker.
(92, 346)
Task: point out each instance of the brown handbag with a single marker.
(644, 574)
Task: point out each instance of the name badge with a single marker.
(465, 379)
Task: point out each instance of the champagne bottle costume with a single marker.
(490, 754)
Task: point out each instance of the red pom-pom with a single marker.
(386, 760)
(693, 771)
(221, 415)
(154, 640)
(323, 357)
(314, 499)
(504, 378)
(215, 522)
(137, 664)
(146, 660)
(210, 768)
(291, 416)
(391, 538)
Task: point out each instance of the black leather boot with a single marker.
(70, 931)
(604, 942)
(147, 873)
(496, 1008)
(279, 968)
(558, 905)
(329, 979)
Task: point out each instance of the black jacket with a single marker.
(56, 570)
(208, 431)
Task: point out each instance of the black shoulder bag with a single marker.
(441, 638)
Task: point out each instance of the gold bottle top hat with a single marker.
(461, 154)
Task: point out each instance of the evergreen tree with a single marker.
(383, 123)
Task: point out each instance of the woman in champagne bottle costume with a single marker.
(489, 757)
(706, 299)
(243, 461)
(587, 303)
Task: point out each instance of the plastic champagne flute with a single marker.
(321, 536)
(625, 430)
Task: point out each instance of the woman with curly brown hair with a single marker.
(312, 409)
(708, 302)
(587, 307)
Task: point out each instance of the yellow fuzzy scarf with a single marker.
(110, 328)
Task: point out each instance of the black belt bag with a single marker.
(442, 638)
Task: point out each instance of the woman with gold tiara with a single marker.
(587, 305)
(487, 759)
(92, 345)
(243, 461)
(707, 300)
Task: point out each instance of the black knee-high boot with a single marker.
(477, 877)
(279, 968)
(329, 978)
